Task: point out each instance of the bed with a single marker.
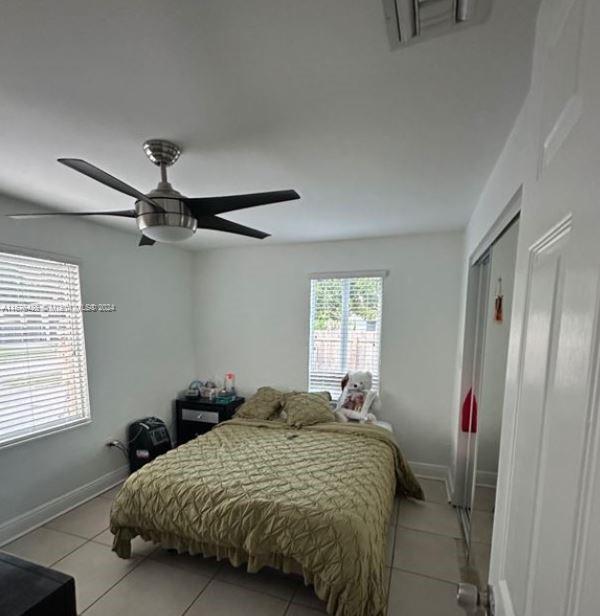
(314, 501)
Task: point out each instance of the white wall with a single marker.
(138, 357)
(252, 317)
(499, 201)
(504, 194)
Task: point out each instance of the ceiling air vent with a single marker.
(410, 21)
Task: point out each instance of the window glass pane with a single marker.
(345, 330)
(43, 374)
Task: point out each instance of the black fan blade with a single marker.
(209, 206)
(123, 213)
(219, 224)
(108, 180)
(146, 241)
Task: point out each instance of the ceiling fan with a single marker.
(165, 215)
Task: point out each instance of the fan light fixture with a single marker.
(168, 233)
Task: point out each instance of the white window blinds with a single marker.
(43, 375)
(345, 329)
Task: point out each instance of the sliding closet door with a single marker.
(493, 377)
(483, 267)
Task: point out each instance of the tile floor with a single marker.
(426, 559)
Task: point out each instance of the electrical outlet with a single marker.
(120, 446)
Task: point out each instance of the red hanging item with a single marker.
(469, 413)
(498, 303)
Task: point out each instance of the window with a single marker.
(345, 328)
(43, 375)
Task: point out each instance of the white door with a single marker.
(546, 552)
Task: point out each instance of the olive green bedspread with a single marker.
(314, 501)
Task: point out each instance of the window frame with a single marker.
(81, 421)
(382, 274)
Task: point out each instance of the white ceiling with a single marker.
(262, 95)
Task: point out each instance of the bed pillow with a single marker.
(322, 394)
(265, 403)
(306, 409)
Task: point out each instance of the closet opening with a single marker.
(487, 332)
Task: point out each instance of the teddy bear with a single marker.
(357, 399)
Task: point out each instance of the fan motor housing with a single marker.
(176, 214)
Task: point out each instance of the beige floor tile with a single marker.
(95, 569)
(110, 494)
(44, 546)
(396, 508)
(480, 560)
(87, 520)
(414, 595)
(151, 589)
(386, 580)
(389, 555)
(435, 490)
(222, 598)
(429, 517)
(482, 524)
(194, 564)
(266, 580)
(305, 596)
(485, 499)
(427, 554)
(139, 547)
(302, 610)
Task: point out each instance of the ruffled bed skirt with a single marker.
(237, 557)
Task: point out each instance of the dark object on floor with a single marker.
(30, 590)
(148, 438)
(195, 417)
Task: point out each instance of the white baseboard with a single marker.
(487, 478)
(431, 471)
(26, 522)
(434, 471)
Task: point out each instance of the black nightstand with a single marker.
(195, 417)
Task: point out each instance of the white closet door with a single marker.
(546, 553)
